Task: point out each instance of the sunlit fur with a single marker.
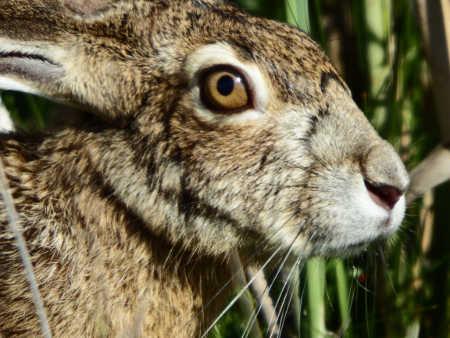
(130, 219)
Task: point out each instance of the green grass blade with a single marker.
(343, 296)
(297, 14)
(315, 275)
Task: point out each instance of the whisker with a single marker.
(285, 292)
(386, 273)
(291, 294)
(301, 304)
(253, 318)
(240, 293)
(286, 311)
(281, 311)
(264, 242)
(284, 286)
(233, 276)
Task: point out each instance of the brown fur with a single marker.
(101, 273)
(130, 221)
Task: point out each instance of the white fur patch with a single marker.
(361, 219)
(7, 83)
(398, 213)
(6, 123)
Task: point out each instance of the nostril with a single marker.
(384, 195)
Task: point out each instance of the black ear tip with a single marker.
(87, 7)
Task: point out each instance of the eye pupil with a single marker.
(225, 85)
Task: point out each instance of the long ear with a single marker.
(79, 51)
(24, 63)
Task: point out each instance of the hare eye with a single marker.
(224, 90)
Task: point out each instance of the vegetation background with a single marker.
(401, 288)
(397, 289)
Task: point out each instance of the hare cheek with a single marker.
(350, 217)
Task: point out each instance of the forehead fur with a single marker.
(293, 62)
(146, 45)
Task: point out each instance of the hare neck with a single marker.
(140, 279)
(117, 275)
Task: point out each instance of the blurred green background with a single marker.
(397, 289)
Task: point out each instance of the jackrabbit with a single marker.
(214, 131)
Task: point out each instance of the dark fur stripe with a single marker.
(326, 77)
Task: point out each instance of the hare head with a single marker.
(241, 133)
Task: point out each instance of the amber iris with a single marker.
(224, 90)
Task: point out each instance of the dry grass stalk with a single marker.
(13, 219)
(434, 19)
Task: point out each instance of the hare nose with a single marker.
(384, 195)
(386, 178)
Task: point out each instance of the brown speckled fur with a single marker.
(130, 220)
(100, 270)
